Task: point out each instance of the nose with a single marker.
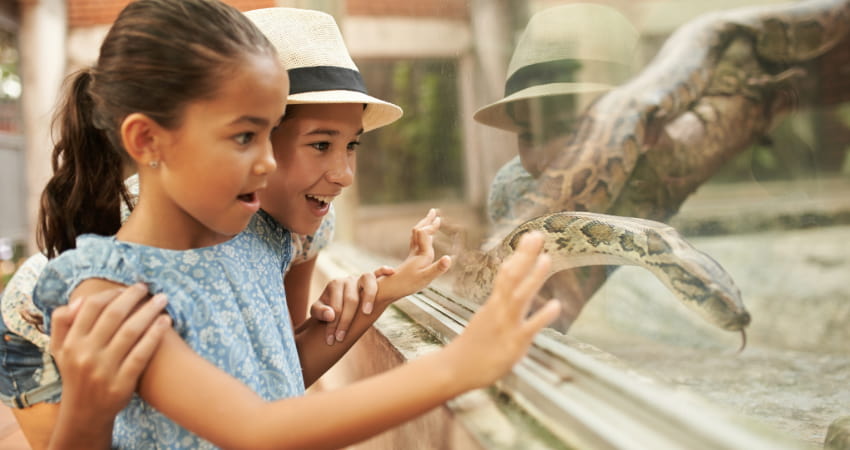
(265, 163)
(341, 170)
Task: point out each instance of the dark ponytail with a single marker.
(86, 189)
(157, 57)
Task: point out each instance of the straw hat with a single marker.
(579, 48)
(310, 47)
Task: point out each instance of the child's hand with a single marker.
(499, 334)
(419, 269)
(102, 343)
(341, 298)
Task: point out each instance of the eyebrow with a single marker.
(259, 121)
(330, 132)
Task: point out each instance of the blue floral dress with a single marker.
(28, 374)
(226, 301)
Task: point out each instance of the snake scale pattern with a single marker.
(576, 239)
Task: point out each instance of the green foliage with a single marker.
(8, 62)
(420, 156)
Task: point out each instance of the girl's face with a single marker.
(218, 159)
(314, 148)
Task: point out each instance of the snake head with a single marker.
(708, 289)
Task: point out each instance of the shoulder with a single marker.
(511, 183)
(270, 230)
(95, 257)
(266, 228)
(511, 172)
(265, 237)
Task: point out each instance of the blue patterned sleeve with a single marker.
(64, 273)
(95, 257)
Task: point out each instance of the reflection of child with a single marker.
(223, 300)
(566, 57)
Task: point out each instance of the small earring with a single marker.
(153, 164)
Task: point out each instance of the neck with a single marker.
(168, 228)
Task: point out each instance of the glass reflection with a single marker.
(729, 123)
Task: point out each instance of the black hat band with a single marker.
(564, 71)
(324, 78)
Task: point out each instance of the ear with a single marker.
(142, 138)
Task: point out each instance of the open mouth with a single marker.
(321, 201)
(250, 197)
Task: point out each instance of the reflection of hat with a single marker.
(569, 49)
(311, 49)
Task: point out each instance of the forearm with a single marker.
(219, 408)
(317, 356)
(362, 409)
(73, 430)
(297, 284)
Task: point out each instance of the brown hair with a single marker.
(157, 57)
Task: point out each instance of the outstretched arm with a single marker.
(341, 301)
(219, 408)
(412, 275)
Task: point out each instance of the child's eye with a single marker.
(244, 138)
(353, 145)
(321, 146)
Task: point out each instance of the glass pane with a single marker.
(727, 120)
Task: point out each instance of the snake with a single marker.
(576, 239)
(605, 165)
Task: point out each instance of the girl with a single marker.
(30, 379)
(315, 145)
(231, 318)
(31, 384)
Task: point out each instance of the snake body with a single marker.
(575, 239)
